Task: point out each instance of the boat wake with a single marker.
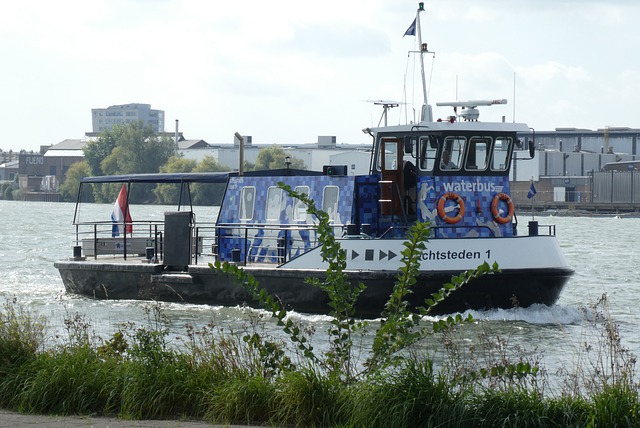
(538, 314)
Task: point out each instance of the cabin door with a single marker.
(391, 151)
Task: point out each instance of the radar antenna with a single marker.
(470, 110)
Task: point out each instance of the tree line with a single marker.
(134, 149)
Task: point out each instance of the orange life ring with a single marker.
(494, 208)
(455, 198)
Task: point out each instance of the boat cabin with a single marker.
(454, 175)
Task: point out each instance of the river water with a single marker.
(602, 250)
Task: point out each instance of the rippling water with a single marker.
(602, 250)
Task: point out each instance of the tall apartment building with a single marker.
(107, 118)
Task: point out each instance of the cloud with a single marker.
(287, 71)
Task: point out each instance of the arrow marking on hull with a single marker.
(369, 255)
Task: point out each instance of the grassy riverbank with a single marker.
(251, 378)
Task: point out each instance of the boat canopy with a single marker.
(190, 177)
(177, 177)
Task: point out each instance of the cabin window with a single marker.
(478, 153)
(390, 155)
(274, 203)
(501, 149)
(330, 196)
(247, 203)
(388, 151)
(452, 153)
(299, 208)
(428, 151)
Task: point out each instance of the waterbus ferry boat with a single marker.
(453, 173)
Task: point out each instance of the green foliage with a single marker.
(21, 335)
(399, 325)
(7, 191)
(241, 401)
(234, 377)
(615, 406)
(273, 157)
(69, 382)
(342, 294)
(178, 164)
(95, 151)
(137, 149)
(78, 330)
(116, 347)
(611, 361)
(11, 191)
(514, 409)
(69, 188)
(201, 193)
(208, 194)
(168, 390)
(169, 193)
(342, 298)
(306, 398)
(412, 396)
(127, 149)
(271, 304)
(250, 352)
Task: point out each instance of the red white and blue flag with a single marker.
(120, 215)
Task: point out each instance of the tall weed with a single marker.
(22, 334)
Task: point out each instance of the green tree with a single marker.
(210, 164)
(169, 193)
(273, 157)
(127, 149)
(248, 166)
(201, 193)
(69, 189)
(138, 150)
(7, 191)
(205, 193)
(96, 151)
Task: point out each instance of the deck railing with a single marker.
(244, 243)
(97, 238)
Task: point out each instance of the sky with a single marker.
(288, 71)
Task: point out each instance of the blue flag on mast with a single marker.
(411, 31)
(532, 191)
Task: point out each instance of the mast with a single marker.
(426, 115)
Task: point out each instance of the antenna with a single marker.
(457, 87)
(469, 108)
(514, 97)
(427, 115)
(386, 105)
